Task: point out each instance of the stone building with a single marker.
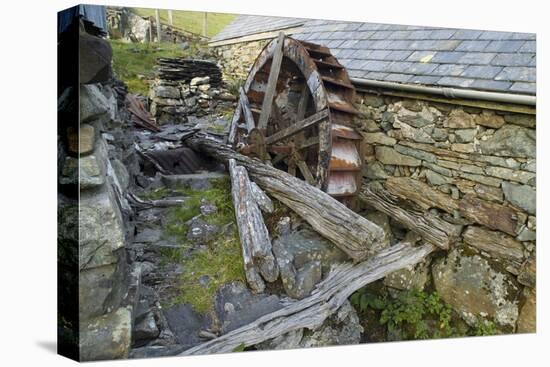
(448, 118)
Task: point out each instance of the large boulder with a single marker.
(95, 55)
(101, 231)
(476, 290)
(511, 141)
(186, 324)
(107, 336)
(522, 196)
(236, 306)
(92, 103)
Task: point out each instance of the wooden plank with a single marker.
(325, 300)
(431, 228)
(305, 171)
(272, 82)
(256, 244)
(234, 124)
(247, 112)
(297, 127)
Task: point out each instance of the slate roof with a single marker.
(244, 25)
(444, 57)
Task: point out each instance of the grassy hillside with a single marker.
(191, 20)
(133, 62)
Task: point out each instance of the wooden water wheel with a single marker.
(296, 111)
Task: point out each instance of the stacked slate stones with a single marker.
(185, 87)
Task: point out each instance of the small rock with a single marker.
(387, 155)
(200, 231)
(81, 141)
(465, 135)
(146, 328)
(207, 208)
(200, 81)
(439, 134)
(283, 226)
(148, 235)
(204, 88)
(522, 196)
(85, 172)
(378, 138)
(459, 119)
(489, 119)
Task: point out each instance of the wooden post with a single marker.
(150, 29)
(205, 25)
(170, 19)
(157, 18)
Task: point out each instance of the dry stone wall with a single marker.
(475, 168)
(236, 59)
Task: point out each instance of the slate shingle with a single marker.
(481, 71)
(513, 59)
(518, 74)
(472, 45)
(521, 87)
(462, 58)
(504, 46)
(455, 82)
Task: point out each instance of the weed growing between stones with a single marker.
(219, 261)
(415, 314)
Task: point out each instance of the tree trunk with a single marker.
(325, 300)
(354, 234)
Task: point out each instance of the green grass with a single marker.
(133, 59)
(191, 21)
(221, 260)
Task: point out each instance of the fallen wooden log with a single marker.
(255, 241)
(433, 229)
(325, 300)
(354, 234)
(263, 201)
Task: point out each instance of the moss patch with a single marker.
(220, 261)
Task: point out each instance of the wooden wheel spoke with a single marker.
(305, 172)
(245, 105)
(279, 157)
(272, 82)
(297, 127)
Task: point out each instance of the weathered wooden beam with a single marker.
(255, 241)
(297, 127)
(326, 299)
(431, 228)
(305, 171)
(247, 112)
(234, 124)
(261, 198)
(492, 215)
(272, 82)
(352, 233)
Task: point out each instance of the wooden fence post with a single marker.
(157, 16)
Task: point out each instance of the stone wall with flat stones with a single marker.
(92, 188)
(237, 59)
(475, 168)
